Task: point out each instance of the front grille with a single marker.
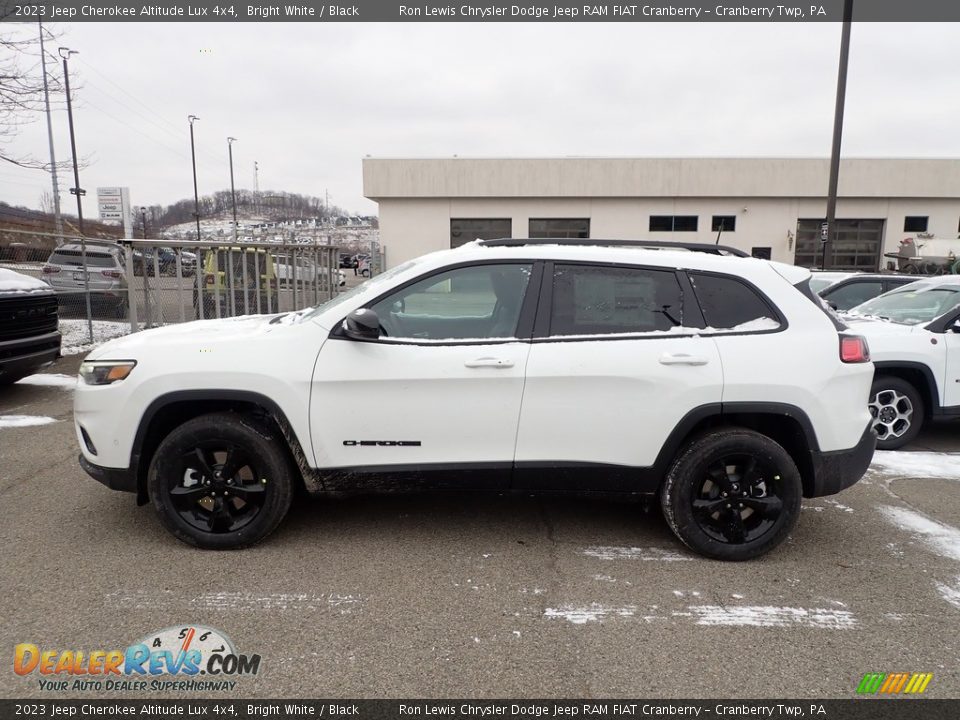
(27, 315)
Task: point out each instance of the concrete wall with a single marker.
(418, 198)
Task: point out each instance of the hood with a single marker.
(196, 335)
(875, 326)
(14, 282)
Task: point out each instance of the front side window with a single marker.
(728, 304)
(469, 303)
(594, 300)
(848, 296)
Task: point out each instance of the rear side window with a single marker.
(729, 304)
(592, 300)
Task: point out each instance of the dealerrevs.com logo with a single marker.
(184, 658)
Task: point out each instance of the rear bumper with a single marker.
(121, 479)
(837, 470)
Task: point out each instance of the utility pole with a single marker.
(193, 158)
(57, 219)
(65, 53)
(256, 177)
(143, 216)
(233, 192)
(837, 131)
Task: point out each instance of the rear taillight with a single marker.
(116, 274)
(208, 279)
(50, 270)
(853, 349)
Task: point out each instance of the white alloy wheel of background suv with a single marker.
(713, 381)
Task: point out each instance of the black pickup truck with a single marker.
(29, 338)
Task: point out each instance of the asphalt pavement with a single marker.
(466, 596)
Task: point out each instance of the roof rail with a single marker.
(653, 244)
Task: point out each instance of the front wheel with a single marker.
(897, 410)
(732, 494)
(221, 481)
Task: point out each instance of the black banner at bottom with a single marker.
(853, 709)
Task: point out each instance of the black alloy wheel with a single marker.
(732, 494)
(221, 481)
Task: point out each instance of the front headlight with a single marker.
(105, 372)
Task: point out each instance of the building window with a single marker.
(856, 245)
(673, 223)
(559, 228)
(464, 231)
(764, 253)
(915, 223)
(725, 223)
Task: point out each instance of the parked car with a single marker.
(105, 273)
(914, 336)
(307, 270)
(347, 260)
(846, 290)
(223, 277)
(29, 335)
(504, 365)
(166, 261)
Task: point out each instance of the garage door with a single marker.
(856, 245)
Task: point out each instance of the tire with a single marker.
(259, 491)
(898, 411)
(723, 461)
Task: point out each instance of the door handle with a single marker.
(682, 359)
(489, 362)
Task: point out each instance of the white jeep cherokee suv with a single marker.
(716, 382)
(914, 335)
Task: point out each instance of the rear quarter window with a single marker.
(728, 303)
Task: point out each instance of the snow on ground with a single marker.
(76, 339)
(917, 464)
(67, 382)
(711, 615)
(950, 593)
(943, 539)
(17, 421)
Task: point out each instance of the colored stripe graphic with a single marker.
(894, 683)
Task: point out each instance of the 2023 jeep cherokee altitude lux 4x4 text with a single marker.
(526, 366)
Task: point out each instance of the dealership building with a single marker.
(770, 207)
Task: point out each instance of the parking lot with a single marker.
(458, 595)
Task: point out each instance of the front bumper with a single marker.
(122, 479)
(26, 354)
(837, 470)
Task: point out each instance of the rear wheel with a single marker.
(897, 410)
(732, 494)
(221, 481)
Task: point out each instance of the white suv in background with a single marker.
(712, 380)
(914, 334)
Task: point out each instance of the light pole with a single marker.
(57, 219)
(65, 53)
(233, 192)
(193, 158)
(837, 130)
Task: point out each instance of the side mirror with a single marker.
(362, 324)
(954, 326)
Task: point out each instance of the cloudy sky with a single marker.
(309, 101)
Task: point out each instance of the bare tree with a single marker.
(21, 83)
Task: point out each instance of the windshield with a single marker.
(912, 304)
(373, 283)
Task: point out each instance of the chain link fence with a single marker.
(106, 288)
